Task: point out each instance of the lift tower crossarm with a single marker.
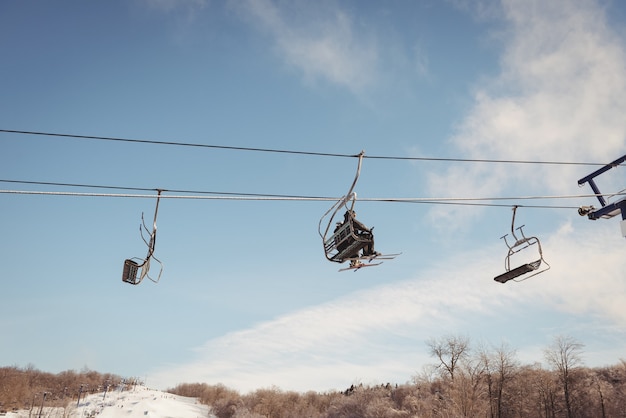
(607, 209)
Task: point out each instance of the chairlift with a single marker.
(607, 209)
(350, 240)
(136, 269)
(527, 269)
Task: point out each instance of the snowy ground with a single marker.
(133, 403)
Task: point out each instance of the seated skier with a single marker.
(364, 235)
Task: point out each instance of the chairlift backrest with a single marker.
(344, 243)
(131, 268)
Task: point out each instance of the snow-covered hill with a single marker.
(133, 403)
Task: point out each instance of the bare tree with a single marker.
(564, 355)
(500, 366)
(449, 350)
(468, 394)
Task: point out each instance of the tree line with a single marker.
(485, 382)
(25, 388)
(463, 381)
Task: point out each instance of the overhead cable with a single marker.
(266, 196)
(311, 153)
(467, 201)
(182, 144)
(148, 196)
(144, 189)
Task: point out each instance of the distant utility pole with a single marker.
(43, 399)
(106, 387)
(80, 391)
(32, 405)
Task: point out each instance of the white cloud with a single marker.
(421, 62)
(378, 335)
(330, 345)
(551, 102)
(479, 9)
(560, 96)
(325, 47)
(171, 5)
(589, 271)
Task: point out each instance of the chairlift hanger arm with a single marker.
(341, 202)
(513, 223)
(152, 242)
(517, 241)
(156, 209)
(356, 177)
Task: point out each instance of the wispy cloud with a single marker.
(320, 43)
(587, 268)
(560, 95)
(172, 5)
(480, 9)
(378, 335)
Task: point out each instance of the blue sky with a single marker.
(247, 298)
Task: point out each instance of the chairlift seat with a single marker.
(344, 243)
(521, 244)
(131, 268)
(518, 271)
(349, 252)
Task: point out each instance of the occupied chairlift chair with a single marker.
(528, 269)
(134, 272)
(607, 210)
(350, 240)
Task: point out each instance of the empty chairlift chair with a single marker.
(531, 266)
(135, 271)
